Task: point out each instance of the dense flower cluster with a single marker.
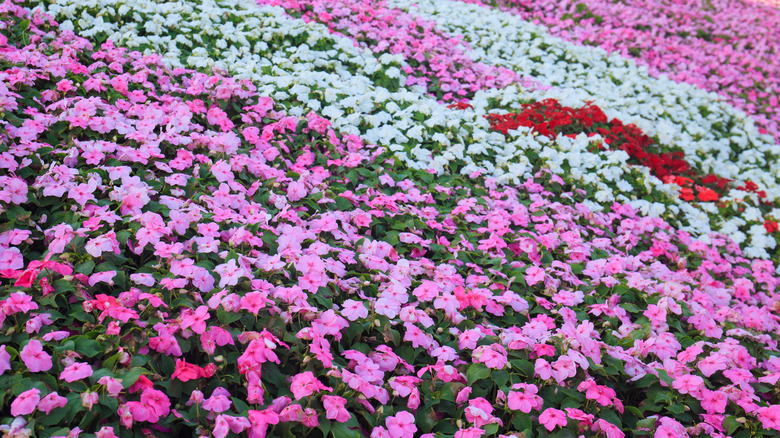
(433, 60)
(723, 45)
(677, 116)
(307, 67)
(184, 254)
(550, 118)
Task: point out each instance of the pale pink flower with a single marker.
(26, 402)
(76, 371)
(51, 401)
(335, 408)
(35, 358)
(401, 425)
(5, 360)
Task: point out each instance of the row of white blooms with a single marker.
(306, 68)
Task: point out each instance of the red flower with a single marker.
(771, 226)
(706, 194)
(686, 194)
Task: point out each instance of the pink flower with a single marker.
(524, 401)
(552, 418)
(688, 384)
(185, 371)
(5, 360)
(479, 412)
(463, 395)
(354, 310)
(335, 408)
(113, 386)
(543, 369)
(156, 401)
(77, 371)
(229, 273)
(534, 275)
(471, 432)
(217, 403)
(102, 277)
(26, 402)
(714, 402)
(106, 432)
(11, 258)
(493, 356)
(305, 384)
(196, 321)
(770, 417)
(609, 429)
(401, 425)
(259, 421)
(35, 358)
(593, 391)
(88, 399)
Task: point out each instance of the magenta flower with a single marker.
(770, 417)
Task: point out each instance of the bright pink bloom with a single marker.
(526, 400)
(259, 421)
(305, 384)
(770, 417)
(552, 418)
(157, 401)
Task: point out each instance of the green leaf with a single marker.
(730, 424)
(17, 213)
(85, 268)
(226, 317)
(663, 375)
(526, 367)
(676, 408)
(341, 430)
(87, 346)
(131, 376)
(477, 372)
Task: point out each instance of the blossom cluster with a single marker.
(305, 63)
(185, 254)
(723, 46)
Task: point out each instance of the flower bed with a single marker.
(724, 46)
(184, 254)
